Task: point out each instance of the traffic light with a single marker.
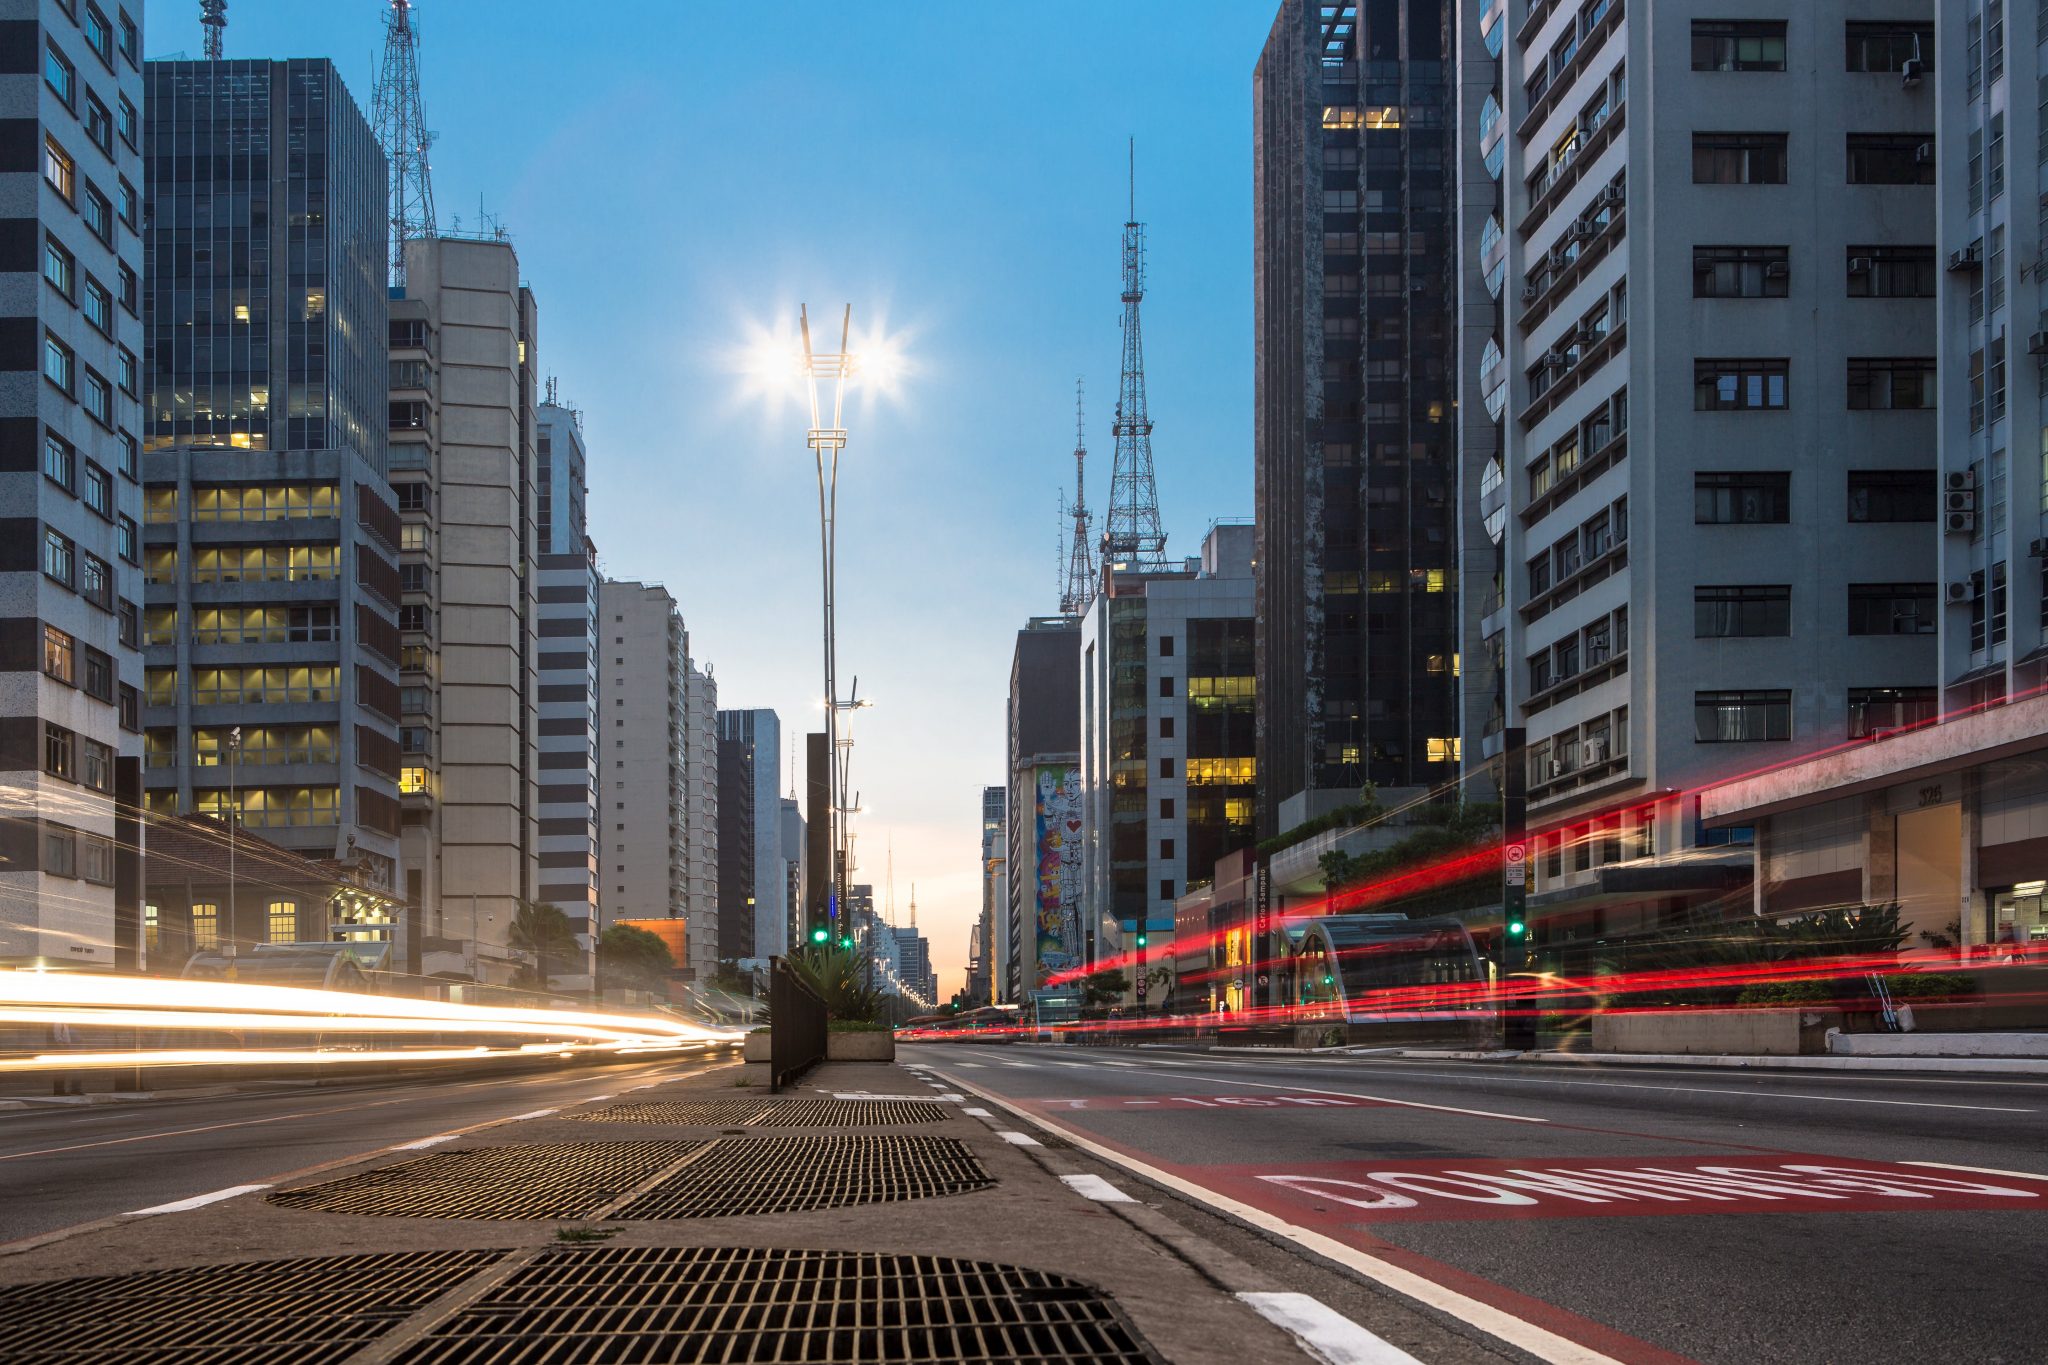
(1141, 939)
(1516, 928)
(1329, 981)
(846, 942)
(821, 934)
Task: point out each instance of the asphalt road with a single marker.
(61, 1166)
(1655, 1215)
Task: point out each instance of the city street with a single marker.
(1652, 1215)
(65, 1165)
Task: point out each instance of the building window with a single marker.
(60, 75)
(1891, 272)
(1741, 499)
(1166, 808)
(60, 367)
(1890, 382)
(97, 769)
(1166, 888)
(127, 541)
(205, 926)
(1166, 687)
(1166, 646)
(96, 581)
(1874, 709)
(98, 398)
(284, 921)
(1739, 611)
(60, 557)
(98, 214)
(1166, 727)
(99, 674)
(99, 34)
(60, 268)
(125, 613)
(124, 370)
(1891, 159)
(131, 455)
(1738, 158)
(1889, 46)
(1741, 272)
(99, 490)
(129, 300)
(124, 203)
(60, 655)
(60, 851)
(60, 752)
(1987, 608)
(1892, 495)
(1740, 385)
(60, 462)
(1738, 45)
(1891, 609)
(1741, 717)
(99, 124)
(1166, 767)
(129, 707)
(60, 170)
(125, 122)
(98, 306)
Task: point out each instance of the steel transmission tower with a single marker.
(1133, 539)
(402, 129)
(1080, 581)
(213, 15)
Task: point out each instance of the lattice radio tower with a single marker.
(402, 129)
(1079, 589)
(1133, 539)
(213, 14)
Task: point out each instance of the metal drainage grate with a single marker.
(289, 1312)
(546, 1180)
(799, 1173)
(730, 1304)
(775, 1113)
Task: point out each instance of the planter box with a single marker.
(1742, 1033)
(755, 1048)
(860, 1047)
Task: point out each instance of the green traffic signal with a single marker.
(1141, 940)
(1516, 928)
(1329, 981)
(820, 934)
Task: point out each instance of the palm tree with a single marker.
(544, 931)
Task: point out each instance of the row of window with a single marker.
(246, 564)
(1594, 646)
(1764, 497)
(1580, 548)
(61, 273)
(84, 385)
(260, 745)
(73, 757)
(1559, 464)
(73, 853)
(280, 923)
(82, 571)
(263, 625)
(217, 686)
(1765, 272)
(1754, 384)
(1759, 45)
(1730, 611)
(60, 169)
(1764, 159)
(254, 502)
(90, 483)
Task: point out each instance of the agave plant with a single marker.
(840, 977)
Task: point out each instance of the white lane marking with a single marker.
(1980, 1170)
(1080, 1066)
(1539, 1342)
(975, 1065)
(1018, 1139)
(871, 1095)
(1777, 1095)
(434, 1141)
(1381, 1099)
(1033, 1066)
(978, 1113)
(594, 1099)
(950, 1097)
(1096, 1188)
(1833, 1076)
(196, 1201)
(1323, 1332)
(1106, 1062)
(536, 1114)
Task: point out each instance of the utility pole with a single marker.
(234, 818)
(1518, 1023)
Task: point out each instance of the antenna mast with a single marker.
(213, 14)
(402, 129)
(1133, 539)
(1079, 590)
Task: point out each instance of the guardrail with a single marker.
(796, 1026)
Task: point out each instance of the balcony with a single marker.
(1590, 359)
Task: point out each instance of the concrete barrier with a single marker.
(877, 1046)
(1766, 1033)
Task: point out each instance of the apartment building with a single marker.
(752, 862)
(1715, 423)
(71, 667)
(568, 585)
(463, 432)
(1043, 924)
(270, 538)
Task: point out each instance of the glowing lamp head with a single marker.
(1516, 928)
(821, 934)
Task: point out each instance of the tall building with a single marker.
(1168, 737)
(994, 895)
(914, 964)
(700, 809)
(1042, 920)
(793, 854)
(71, 665)
(752, 872)
(641, 786)
(463, 433)
(1993, 576)
(271, 539)
(1353, 438)
(1717, 421)
(568, 587)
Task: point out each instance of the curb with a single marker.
(1983, 1066)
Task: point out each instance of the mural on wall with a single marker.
(1058, 832)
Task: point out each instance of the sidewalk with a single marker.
(865, 1216)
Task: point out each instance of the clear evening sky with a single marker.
(678, 176)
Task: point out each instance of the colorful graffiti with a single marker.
(1058, 849)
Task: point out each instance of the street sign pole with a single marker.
(1518, 1019)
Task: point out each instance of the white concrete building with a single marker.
(641, 792)
(700, 812)
(569, 686)
(1716, 421)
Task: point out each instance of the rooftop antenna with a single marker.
(554, 392)
(402, 129)
(1079, 589)
(214, 15)
(913, 905)
(889, 888)
(1133, 539)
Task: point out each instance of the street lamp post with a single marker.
(824, 441)
(234, 818)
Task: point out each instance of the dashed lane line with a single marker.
(1018, 1139)
(1096, 1188)
(196, 1201)
(1323, 1332)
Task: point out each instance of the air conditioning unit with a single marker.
(2037, 343)
(1556, 768)
(1961, 478)
(1531, 292)
(1777, 270)
(1960, 500)
(1959, 592)
(1860, 265)
(1615, 195)
(1913, 70)
(1589, 335)
(1958, 523)
(1969, 258)
(1595, 750)
(1585, 227)
(1923, 155)
(2038, 547)
(1554, 359)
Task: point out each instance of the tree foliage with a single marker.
(840, 977)
(635, 959)
(543, 930)
(1106, 987)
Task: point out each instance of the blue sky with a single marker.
(678, 176)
